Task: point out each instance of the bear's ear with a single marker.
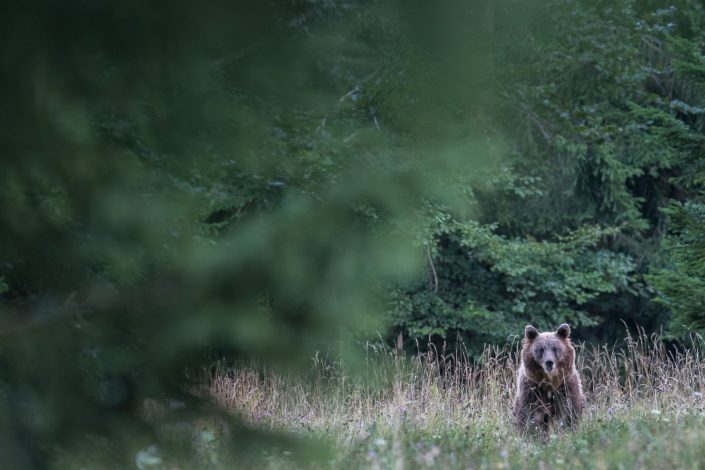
(530, 332)
(563, 331)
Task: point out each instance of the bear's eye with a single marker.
(540, 351)
(555, 351)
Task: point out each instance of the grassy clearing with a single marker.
(645, 410)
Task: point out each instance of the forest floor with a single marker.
(645, 410)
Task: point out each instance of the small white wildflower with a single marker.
(655, 412)
(379, 442)
(697, 394)
(147, 458)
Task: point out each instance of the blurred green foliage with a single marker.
(187, 182)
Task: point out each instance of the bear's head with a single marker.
(549, 352)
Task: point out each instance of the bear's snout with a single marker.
(549, 365)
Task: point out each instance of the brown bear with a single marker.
(548, 391)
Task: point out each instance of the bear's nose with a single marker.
(549, 365)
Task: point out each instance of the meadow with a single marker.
(443, 409)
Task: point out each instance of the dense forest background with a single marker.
(185, 183)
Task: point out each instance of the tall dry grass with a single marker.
(444, 390)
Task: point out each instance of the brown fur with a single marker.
(549, 391)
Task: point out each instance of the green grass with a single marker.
(631, 441)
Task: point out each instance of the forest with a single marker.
(310, 233)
